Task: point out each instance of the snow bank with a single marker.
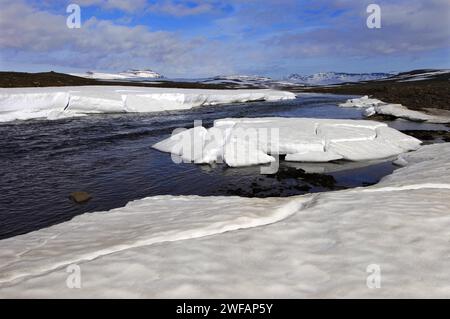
(57, 102)
(319, 245)
(250, 141)
(149, 221)
(375, 106)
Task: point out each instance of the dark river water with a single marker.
(110, 157)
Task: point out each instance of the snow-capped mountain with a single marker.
(326, 78)
(141, 74)
(238, 77)
(136, 75)
(245, 81)
(239, 80)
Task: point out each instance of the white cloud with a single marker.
(123, 5)
(181, 8)
(170, 7)
(43, 37)
(408, 27)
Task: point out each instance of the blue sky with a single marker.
(209, 37)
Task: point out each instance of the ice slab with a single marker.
(30, 103)
(250, 141)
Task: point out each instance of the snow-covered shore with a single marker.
(59, 102)
(374, 106)
(250, 141)
(318, 245)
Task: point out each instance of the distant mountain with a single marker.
(327, 78)
(245, 81)
(240, 80)
(238, 77)
(131, 75)
(142, 74)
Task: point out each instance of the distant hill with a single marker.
(327, 78)
(130, 75)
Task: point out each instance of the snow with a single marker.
(314, 156)
(150, 221)
(364, 101)
(126, 75)
(375, 106)
(38, 103)
(141, 74)
(250, 141)
(313, 246)
(400, 111)
(100, 76)
(58, 102)
(241, 81)
(240, 77)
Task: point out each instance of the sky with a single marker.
(199, 38)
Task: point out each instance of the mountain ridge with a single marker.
(328, 78)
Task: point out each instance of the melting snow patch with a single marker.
(244, 142)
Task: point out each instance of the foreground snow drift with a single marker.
(375, 106)
(249, 141)
(57, 102)
(318, 245)
(152, 220)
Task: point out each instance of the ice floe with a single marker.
(375, 106)
(58, 102)
(249, 141)
(318, 245)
